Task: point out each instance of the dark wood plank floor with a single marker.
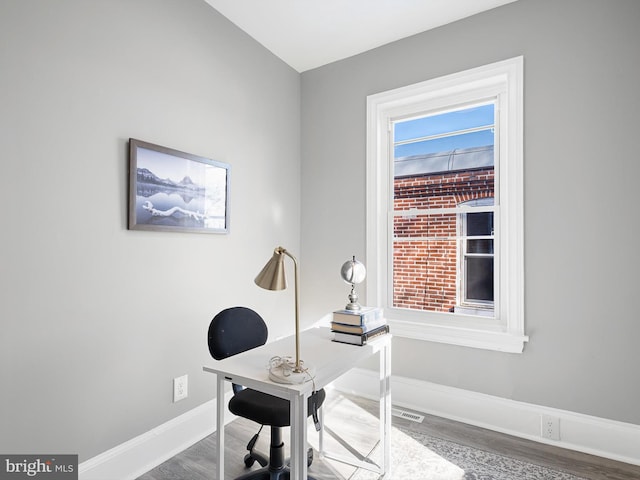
(198, 462)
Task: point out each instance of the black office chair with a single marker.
(236, 330)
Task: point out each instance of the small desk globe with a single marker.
(353, 272)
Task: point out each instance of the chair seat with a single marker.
(266, 409)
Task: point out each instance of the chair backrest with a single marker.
(236, 330)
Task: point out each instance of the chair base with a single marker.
(253, 457)
(265, 474)
(278, 469)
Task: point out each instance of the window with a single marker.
(476, 261)
(444, 208)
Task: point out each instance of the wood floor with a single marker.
(198, 461)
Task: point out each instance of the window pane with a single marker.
(479, 224)
(479, 279)
(481, 138)
(484, 245)
(445, 122)
(450, 163)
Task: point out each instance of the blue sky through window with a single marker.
(443, 126)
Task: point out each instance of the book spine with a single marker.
(358, 329)
(374, 333)
(355, 318)
(348, 340)
(360, 339)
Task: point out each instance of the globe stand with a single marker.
(353, 272)
(353, 304)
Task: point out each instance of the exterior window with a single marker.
(444, 208)
(476, 294)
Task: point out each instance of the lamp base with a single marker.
(283, 370)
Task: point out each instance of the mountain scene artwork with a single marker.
(180, 203)
(177, 193)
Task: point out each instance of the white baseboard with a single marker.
(137, 456)
(605, 438)
(597, 436)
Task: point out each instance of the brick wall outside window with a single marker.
(425, 272)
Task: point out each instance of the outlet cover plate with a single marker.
(550, 427)
(180, 388)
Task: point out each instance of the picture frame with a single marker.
(174, 191)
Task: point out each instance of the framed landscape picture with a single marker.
(175, 191)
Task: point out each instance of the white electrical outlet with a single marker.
(180, 388)
(550, 427)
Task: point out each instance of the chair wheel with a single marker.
(309, 457)
(249, 460)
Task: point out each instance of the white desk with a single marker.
(330, 359)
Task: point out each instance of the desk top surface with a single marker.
(329, 360)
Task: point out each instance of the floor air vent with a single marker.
(408, 415)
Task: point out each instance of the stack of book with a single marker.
(358, 327)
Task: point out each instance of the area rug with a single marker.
(422, 457)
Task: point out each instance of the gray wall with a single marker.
(581, 168)
(97, 320)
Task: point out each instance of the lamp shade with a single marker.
(272, 276)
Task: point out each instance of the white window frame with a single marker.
(504, 82)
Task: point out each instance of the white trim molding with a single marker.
(503, 83)
(137, 456)
(583, 433)
(475, 338)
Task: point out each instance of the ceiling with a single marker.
(307, 34)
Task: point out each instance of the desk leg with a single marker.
(298, 419)
(385, 408)
(321, 432)
(220, 404)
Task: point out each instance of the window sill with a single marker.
(481, 312)
(485, 339)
